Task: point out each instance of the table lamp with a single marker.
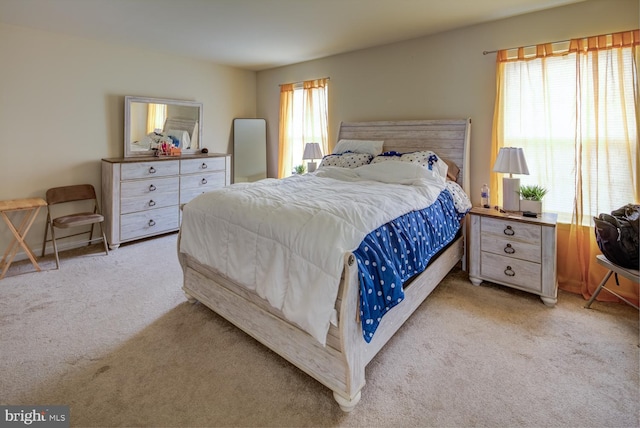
(312, 152)
(511, 160)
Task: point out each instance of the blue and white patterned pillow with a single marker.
(346, 160)
(387, 156)
(425, 158)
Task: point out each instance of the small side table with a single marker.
(515, 251)
(31, 207)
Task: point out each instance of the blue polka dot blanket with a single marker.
(398, 250)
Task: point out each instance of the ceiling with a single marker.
(258, 34)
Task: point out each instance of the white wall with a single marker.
(62, 107)
(440, 76)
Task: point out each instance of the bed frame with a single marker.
(340, 365)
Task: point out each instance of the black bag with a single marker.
(617, 235)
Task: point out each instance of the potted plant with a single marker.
(299, 169)
(532, 198)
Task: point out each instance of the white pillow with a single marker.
(359, 146)
(397, 172)
(424, 158)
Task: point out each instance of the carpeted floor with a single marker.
(114, 338)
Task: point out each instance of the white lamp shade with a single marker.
(511, 160)
(312, 151)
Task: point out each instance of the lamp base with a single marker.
(510, 194)
(311, 166)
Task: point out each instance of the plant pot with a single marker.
(533, 206)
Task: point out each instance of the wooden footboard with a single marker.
(340, 365)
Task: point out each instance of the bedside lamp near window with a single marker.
(511, 160)
(312, 152)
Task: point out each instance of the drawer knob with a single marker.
(152, 223)
(152, 170)
(509, 249)
(152, 188)
(509, 231)
(152, 203)
(509, 271)
(203, 181)
(204, 165)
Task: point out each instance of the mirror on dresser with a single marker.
(147, 121)
(249, 150)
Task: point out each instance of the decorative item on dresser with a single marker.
(141, 196)
(513, 250)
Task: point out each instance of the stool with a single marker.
(30, 207)
(630, 274)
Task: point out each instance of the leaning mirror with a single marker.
(249, 150)
(149, 120)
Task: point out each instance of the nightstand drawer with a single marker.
(507, 270)
(511, 248)
(511, 229)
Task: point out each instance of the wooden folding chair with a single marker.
(66, 194)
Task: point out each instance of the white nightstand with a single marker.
(516, 251)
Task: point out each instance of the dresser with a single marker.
(515, 251)
(141, 196)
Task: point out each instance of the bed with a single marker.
(338, 358)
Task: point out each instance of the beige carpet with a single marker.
(114, 338)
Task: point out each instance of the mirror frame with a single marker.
(128, 100)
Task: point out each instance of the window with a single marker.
(303, 119)
(574, 114)
(573, 109)
(156, 115)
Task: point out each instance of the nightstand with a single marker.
(515, 251)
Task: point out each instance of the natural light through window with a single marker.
(566, 111)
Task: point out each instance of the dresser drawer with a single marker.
(188, 166)
(135, 170)
(196, 184)
(148, 223)
(139, 195)
(506, 270)
(511, 248)
(502, 228)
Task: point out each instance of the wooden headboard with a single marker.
(447, 138)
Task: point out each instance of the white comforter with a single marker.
(286, 239)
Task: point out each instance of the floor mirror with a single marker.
(249, 150)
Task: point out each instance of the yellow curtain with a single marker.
(586, 152)
(156, 115)
(285, 130)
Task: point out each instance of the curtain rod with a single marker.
(558, 41)
(302, 81)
